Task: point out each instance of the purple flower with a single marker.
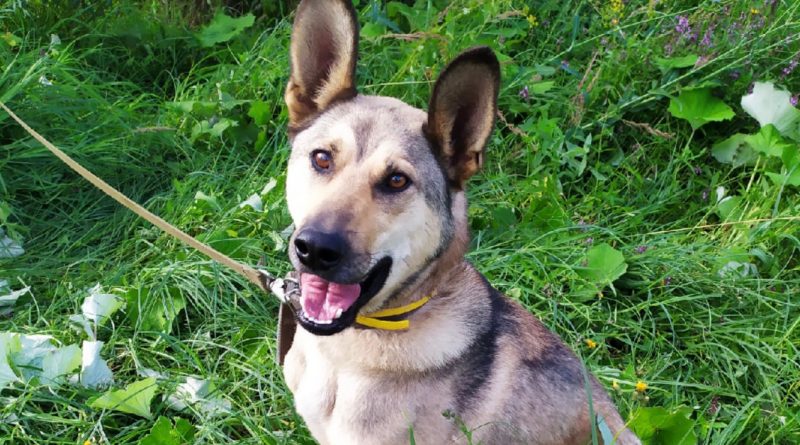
(641, 249)
(565, 64)
(683, 28)
(524, 93)
(589, 240)
(750, 88)
(735, 74)
(794, 99)
(706, 42)
(667, 280)
(698, 171)
(789, 68)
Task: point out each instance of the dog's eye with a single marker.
(397, 182)
(321, 160)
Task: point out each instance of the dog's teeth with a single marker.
(338, 313)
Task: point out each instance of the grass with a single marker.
(591, 156)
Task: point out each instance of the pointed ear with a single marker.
(323, 58)
(461, 113)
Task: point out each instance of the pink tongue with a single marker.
(322, 299)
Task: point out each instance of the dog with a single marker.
(401, 339)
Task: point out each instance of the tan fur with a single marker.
(319, 79)
(366, 386)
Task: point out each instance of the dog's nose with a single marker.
(318, 250)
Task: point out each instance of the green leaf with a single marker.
(203, 108)
(260, 111)
(786, 177)
(730, 208)
(791, 156)
(699, 107)
(10, 39)
(676, 62)
(134, 399)
(767, 141)
(734, 151)
(542, 87)
(223, 28)
(206, 202)
(185, 430)
(769, 105)
(371, 30)
(604, 264)
(657, 425)
(791, 162)
(216, 129)
(163, 433)
(154, 312)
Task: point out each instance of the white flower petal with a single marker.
(199, 394)
(57, 364)
(254, 202)
(81, 323)
(769, 105)
(99, 306)
(94, 370)
(147, 372)
(11, 298)
(8, 247)
(9, 344)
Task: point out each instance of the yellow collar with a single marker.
(374, 321)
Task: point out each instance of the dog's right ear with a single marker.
(323, 58)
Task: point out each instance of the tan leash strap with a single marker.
(257, 277)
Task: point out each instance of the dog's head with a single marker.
(374, 186)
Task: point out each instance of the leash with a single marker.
(286, 289)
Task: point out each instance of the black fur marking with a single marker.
(476, 365)
(558, 365)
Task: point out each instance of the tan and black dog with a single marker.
(396, 327)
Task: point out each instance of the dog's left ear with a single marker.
(461, 112)
(323, 58)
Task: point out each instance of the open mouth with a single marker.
(328, 308)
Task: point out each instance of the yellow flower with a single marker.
(533, 21)
(615, 385)
(87, 442)
(591, 343)
(641, 387)
(614, 22)
(754, 11)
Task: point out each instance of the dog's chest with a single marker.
(342, 405)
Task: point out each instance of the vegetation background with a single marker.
(628, 200)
